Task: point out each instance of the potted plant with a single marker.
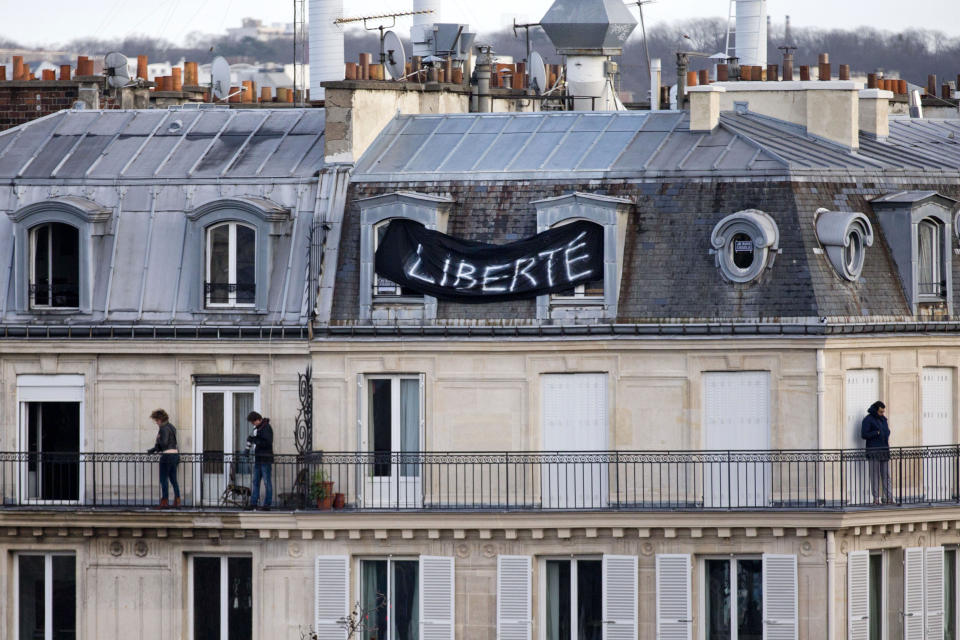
(321, 490)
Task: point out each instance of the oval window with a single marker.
(852, 252)
(742, 246)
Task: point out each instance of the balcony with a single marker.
(815, 480)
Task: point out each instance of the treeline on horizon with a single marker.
(911, 54)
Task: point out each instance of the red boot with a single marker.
(163, 504)
(176, 503)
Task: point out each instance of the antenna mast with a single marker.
(300, 39)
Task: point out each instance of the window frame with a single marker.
(232, 284)
(732, 558)
(47, 587)
(884, 579)
(574, 591)
(763, 232)
(938, 262)
(32, 233)
(224, 582)
(389, 559)
(399, 296)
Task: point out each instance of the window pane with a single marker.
(65, 276)
(212, 432)
(240, 603)
(742, 247)
(410, 423)
(246, 265)
(206, 599)
(379, 417)
(30, 592)
(405, 608)
(589, 600)
(950, 594)
(373, 580)
(929, 258)
(750, 599)
(876, 596)
(64, 597)
(558, 600)
(41, 266)
(242, 406)
(718, 599)
(219, 258)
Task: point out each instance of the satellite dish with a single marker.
(538, 72)
(396, 58)
(220, 78)
(115, 67)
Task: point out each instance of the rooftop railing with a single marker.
(805, 480)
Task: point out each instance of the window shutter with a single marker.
(513, 597)
(674, 621)
(619, 597)
(858, 595)
(913, 593)
(436, 598)
(331, 597)
(933, 592)
(779, 597)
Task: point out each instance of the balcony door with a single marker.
(391, 436)
(937, 411)
(50, 435)
(574, 415)
(736, 418)
(221, 434)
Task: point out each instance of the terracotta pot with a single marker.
(325, 504)
(338, 500)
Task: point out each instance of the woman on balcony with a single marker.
(166, 446)
(875, 430)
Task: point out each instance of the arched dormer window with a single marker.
(233, 238)
(231, 279)
(930, 268)
(58, 241)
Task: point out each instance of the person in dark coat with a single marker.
(261, 441)
(875, 430)
(166, 446)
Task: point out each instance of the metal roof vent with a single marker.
(175, 126)
(591, 27)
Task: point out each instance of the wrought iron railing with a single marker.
(817, 480)
(54, 295)
(932, 288)
(230, 292)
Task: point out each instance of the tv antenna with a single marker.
(643, 30)
(526, 28)
(381, 27)
(116, 69)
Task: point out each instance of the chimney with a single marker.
(655, 84)
(705, 107)
(875, 112)
(326, 45)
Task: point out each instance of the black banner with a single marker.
(447, 268)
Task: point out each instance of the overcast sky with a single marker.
(61, 20)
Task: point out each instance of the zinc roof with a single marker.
(175, 144)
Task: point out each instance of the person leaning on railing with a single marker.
(166, 446)
(875, 430)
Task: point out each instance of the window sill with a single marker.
(57, 311)
(398, 300)
(577, 302)
(233, 311)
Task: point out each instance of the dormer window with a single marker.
(930, 281)
(583, 293)
(744, 244)
(54, 266)
(231, 265)
(383, 287)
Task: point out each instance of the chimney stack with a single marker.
(326, 45)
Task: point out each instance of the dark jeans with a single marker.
(168, 471)
(262, 470)
(879, 458)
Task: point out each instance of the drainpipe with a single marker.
(831, 584)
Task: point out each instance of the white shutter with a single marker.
(736, 407)
(913, 593)
(331, 597)
(674, 621)
(513, 597)
(862, 390)
(436, 598)
(619, 597)
(937, 403)
(933, 592)
(779, 597)
(858, 595)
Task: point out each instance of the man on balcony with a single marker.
(875, 430)
(261, 440)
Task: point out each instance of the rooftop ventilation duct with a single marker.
(751, 33)
(420, 32)
(588, 32)
(326, 45)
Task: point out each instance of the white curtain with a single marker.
(410, 424)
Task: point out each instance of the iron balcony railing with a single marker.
(814, 480)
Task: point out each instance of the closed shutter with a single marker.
(779, 597)
(862, 390)
(513, 597)
(913, 593)
(331, 597)
(937, 399)
(436, 598)
(858, 595)
(619, 597)
(574, 411)
(674, 621)
(736, 408)
(933, 592)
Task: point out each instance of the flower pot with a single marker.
(338, 500)
(325, 503)
(328, 488)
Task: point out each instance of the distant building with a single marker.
(253, 28)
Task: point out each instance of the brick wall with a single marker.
(22, 102)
